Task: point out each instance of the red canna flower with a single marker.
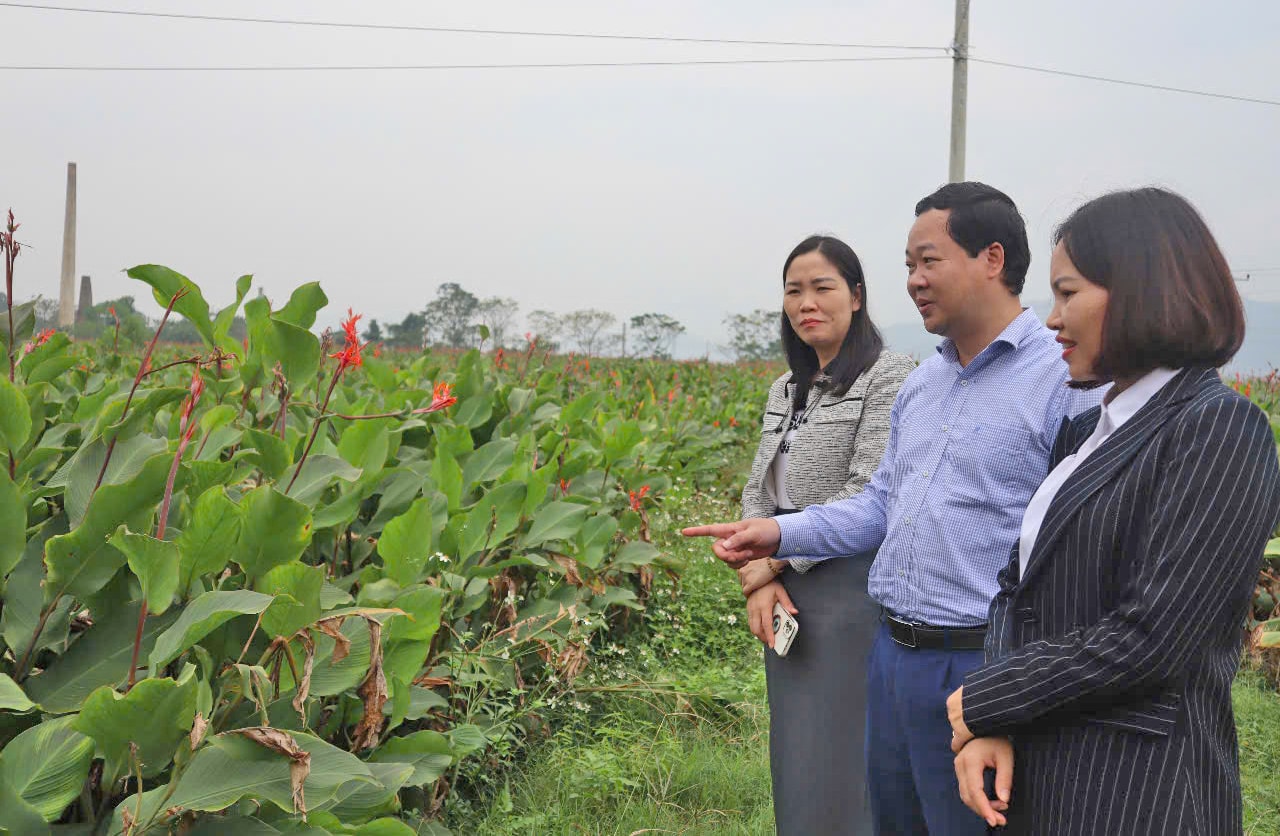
(377, 349)
(671, 395)
(638, 498)
(111, 309)
(715, 424)
(38, 340)
(733, 422)
(349, 326)
(564, 488)
(350, 354)
(187, 427)
(441, 398)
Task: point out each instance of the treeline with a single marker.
(457, 318)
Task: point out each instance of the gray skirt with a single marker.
(818, 702)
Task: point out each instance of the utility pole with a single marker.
(67, 290)
(959, 90)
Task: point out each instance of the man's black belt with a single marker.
(929, 637)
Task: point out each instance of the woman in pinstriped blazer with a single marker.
(825, 427)
(1105, 703)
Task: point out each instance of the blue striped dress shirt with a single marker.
(968, 446)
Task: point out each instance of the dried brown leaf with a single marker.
(332, 627)
(304, 684)
(198, 727)
(373, 690)
(570, 567)
(299, 759)
(433, 681)
(572, 661)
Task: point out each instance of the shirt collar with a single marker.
(1126, 404)
(1014, 334)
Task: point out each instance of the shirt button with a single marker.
(964, 383)
(945, 428)
(902, 573)
(925, 474)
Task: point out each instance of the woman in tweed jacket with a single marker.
(825, 427)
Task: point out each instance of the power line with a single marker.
(391, 27)
(1148, 85)
(555, 66)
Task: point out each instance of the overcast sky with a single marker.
(671, 189)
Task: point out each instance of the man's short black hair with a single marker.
(982, 216)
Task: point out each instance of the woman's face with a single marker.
(817, 300)
(1079, 308)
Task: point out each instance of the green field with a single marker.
(699, 765)
(287, 583)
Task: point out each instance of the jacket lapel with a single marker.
(1109, 459)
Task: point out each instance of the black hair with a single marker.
(982, 216)
(1172, 300)
(862, 342)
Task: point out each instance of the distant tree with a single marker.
(373, 333)
(135, 329)
(451, 315)
(546, 326)
(46, 312)
(654, 334)
(586, 328)
(497, 314)
(408, 333)
(754, 336)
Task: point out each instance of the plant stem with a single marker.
(25, 665)
(137, 379)
(315, 428)
(137, 645)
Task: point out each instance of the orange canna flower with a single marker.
(349, 326)
(638, 498)
(350, 354)
(441, 398)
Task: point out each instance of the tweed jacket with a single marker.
(1111, 656)
(838, 447)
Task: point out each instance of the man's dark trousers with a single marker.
(910, 767)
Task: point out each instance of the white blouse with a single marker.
(1115, 412)
(777, 476)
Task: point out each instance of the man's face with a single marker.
(945, 282)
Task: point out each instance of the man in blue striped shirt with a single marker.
(970, 436)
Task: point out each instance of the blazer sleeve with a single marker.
(872, 435)
(755, 500)
(1215, 504)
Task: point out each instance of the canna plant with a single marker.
(271, 583)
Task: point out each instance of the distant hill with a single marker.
(1261, 350)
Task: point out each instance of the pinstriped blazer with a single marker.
(1110, 660)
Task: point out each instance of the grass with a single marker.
(1258, 725)
(669, 732)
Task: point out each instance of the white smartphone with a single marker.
(785, 629)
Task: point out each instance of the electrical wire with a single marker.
(392, 27)
(1148, 85)
(544, 66)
